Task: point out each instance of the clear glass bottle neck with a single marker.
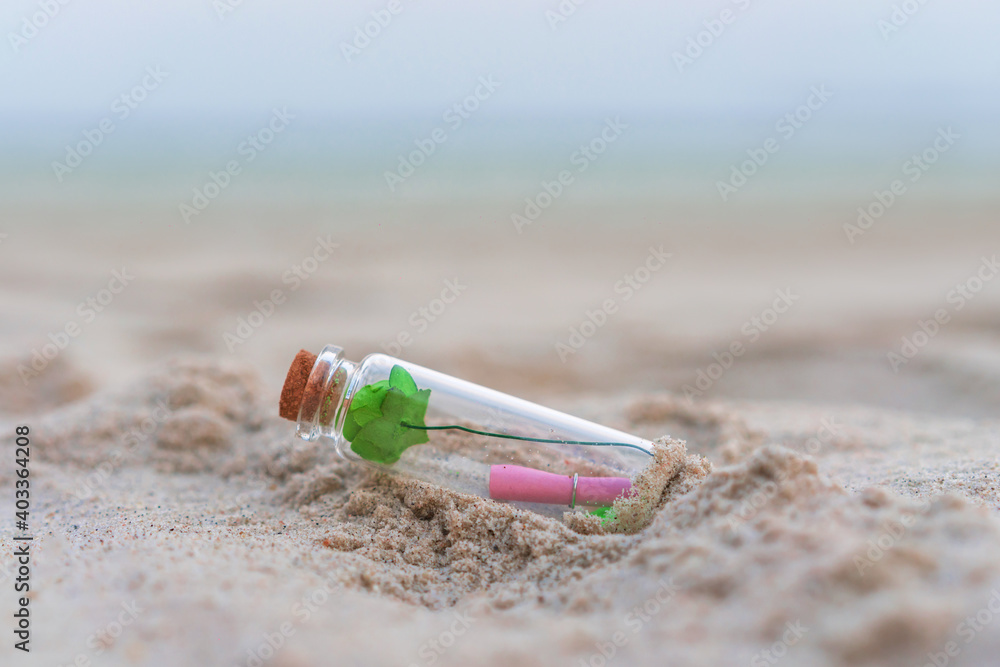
(324, 394)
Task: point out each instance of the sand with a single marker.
(221, 531)
(179, 521)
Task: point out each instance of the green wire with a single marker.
(526, 439)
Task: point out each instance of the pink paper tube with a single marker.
(602, 491)
(509, 482)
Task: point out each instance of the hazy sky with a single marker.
(605, 56)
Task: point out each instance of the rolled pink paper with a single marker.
(509, 482)
(602, 490)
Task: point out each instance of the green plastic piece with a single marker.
(378, 423)
(607, 514)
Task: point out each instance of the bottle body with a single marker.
(408, 419)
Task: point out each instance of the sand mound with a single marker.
(25, 391)
(184, 417)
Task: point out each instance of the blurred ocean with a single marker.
(832, 159)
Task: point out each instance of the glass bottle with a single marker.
(406, 419)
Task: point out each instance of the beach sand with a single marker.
(849, 518)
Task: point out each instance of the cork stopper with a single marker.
(294, 389)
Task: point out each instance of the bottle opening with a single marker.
(313, 391)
